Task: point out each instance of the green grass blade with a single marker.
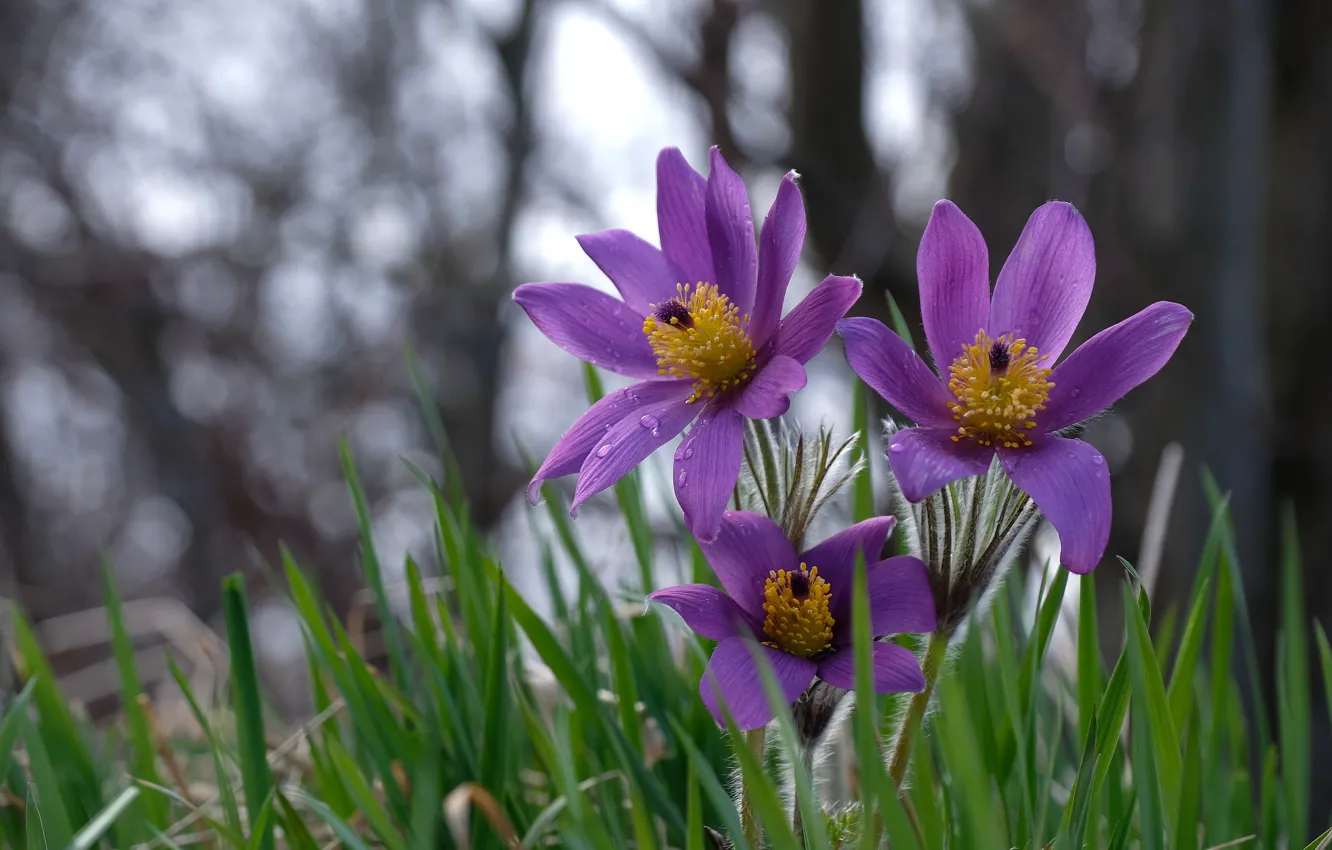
(340, 828)
(1293, 690)
(1149, 692)
(1325, 657)
(1090, 672)
(1190, 796)
(366, 801)
(100, 825)
(227, 796)
(1073, 826)
(862, 488)
(701, 769)
(900, 323)
(54, 825)
(1182, 677)
(143, 763)
(11, 725)
(245, 702)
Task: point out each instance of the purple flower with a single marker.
(999, 392)
(700, 324)
(799, 608)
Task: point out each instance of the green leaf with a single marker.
(1149, 694)
(1325, 656)
(245, 696)
(1073, 825)
(53, 822)
(1293, 686)
(230, 811)
(1146, 775)
(366, 801)
(1091, 674)
(1187, 821)
(862, 489)
(101, 823)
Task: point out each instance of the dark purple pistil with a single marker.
(999, 357)
(799, 585)
(673, 313)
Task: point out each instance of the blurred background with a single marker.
(220, 222)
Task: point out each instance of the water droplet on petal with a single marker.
(604, 450)
(688, 453)
(1075, 392)
(649, 422)
(1098, 460)
(895, 448)
(680, 478)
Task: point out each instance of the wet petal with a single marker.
(779, 250)
(570, 452)
(896, 670)
(1068, 481)
(900, 598)
(953, 266)
(809, 325)
(1104, 368)
(883, 360)
(663, 415)
(637, 268)
(768, 393)
(733, 671)
(836, 558)
(923, 460)
(681, 222)
(1045, 283)
(707, 464)
(747, 547)
(706, 610)
(730, 233)
(590, 325)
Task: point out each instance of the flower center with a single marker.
(999, 385)
(700, 334)
(798, 620)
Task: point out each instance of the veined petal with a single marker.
(925, 459)
(747, 547)
(806, 329)
(1104, 368)
(637, 268)
(900, 597)
(779, 250)
(730, 233)
(768, 393)
(883, 360)
(953, 267)
(661, 416)
(707, 464)
(1045, 283)
(836, 559)
(590, 325)
(1068, 481)
(681, 222)
(590, 430)
(896, 670)
(733, 677)
(706, 610)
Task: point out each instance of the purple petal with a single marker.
(681, 198)
(707, 463)
(662, 414)
(638, 269)
(925, 459)
(706, 610)
(1045, 283)
(883, 360)
(953, 266)
(779, 250)
(747, 547)
(730, 233)
(590, 325)
(1113, 362)
(836, 559)
(900, 597)
(806, 329)
(896, 670)
(571, 450)
(733, 671)
(768, 393)
(1068, 481)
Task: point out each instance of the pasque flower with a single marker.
(798, 607)
(700, 324)
(999, 389)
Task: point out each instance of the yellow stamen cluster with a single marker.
(796, 604)
(999, 384)
(700, 334)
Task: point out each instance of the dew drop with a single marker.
(688, 453)
(896, 448)
(1075, 392)
(604, 450)
(649, 422)
(1098, 460)
(680, 478)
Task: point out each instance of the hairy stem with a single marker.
(757, 745)
(935, 651)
